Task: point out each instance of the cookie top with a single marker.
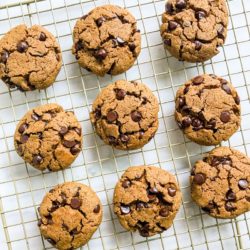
(220, 183)
(193, 30)
(30, 58)
(208, 109)
(70, 214)
(146, 199)
(48, 137)
(107, 40)
(125, 114)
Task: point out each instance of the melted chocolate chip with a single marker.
(35, 117)
(78, 131)
(243, 184)
(168, 42)
(136, 116)
(139, 205)
(124, 138)
(24, 138)
(79, 45)
(97, 209)
(211, 124)
(225, 116)
(39, 223)
(75, 203)
(22, 46)
(200, 14)
(63, 131)
(112, 116)
(75, 150)
(22, 128)
(237, 100)
(198, 45)
(186, 90)
(100, 21)
(144, 232)
(120, 41)
(101, 54)
(37, 159)
(185, 109)
(172, 25)
(226, 88)
(125, 209)
(126, 184)
(169, 8)
(98, 113)
(172, 191)
(120, 94)
(69, 144)
(132, 46)
(153, 190)
(42, 37)
(220, 32)
(164, 212)
(198, 80)
(186, 122)
(231, 196)
(141, 133)
(4, 56)
(196, 123)
(181, 102)
(112, 140)
(229, 206)
(199, 179)
(180, 4)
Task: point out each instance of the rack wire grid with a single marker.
(23, 187)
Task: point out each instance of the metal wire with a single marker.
(22, 187)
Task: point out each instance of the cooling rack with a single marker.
(98, 165)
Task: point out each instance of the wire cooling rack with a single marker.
(22, 187)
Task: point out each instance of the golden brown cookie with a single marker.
(208, 109)
(220, 183)
(48, 137)
(192, 30)
(125, 115)
(70, 214)
(30, 58)
(107, 40)
(146, 199)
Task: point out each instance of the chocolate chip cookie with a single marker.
(193, 30)
(70, 214)
(220, 183)
(146, 199)
(208, 109)
(125, 115)
(48, 137)
(107, 40)
(30, 58)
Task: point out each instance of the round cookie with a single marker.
(107, 40)
(125, 115)
(30, 58)
(70, 214)
(208, 109)
(193, 30)
(220, 183)
(48, 137)
(146, 199)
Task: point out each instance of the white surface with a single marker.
(22, 187)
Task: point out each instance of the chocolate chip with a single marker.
(136, 116)
(229, 207)
(199, 179)
(243, 184)
(75, 203)
(164, 212)
(220, 32)
(63, 131)
(120, 94)
(180, 4)
(75, 150)
(172, 191)
(112, 140)
(78, 131)
(22, 46)
(97, 209)
(237, 100)
(98, 113)
(208, 208)
(186, 122)
(225, 116)
(35, 117)
(196, 123)
(198, 45)
(211, 124)
(169, 8)
(125, 209)
(226, 88)
(120, 41)
(84, 17)
(185, 109)
(79, 45)
(101, 54)
(231, 196)
(198, 80)
(52, 242)
(100, 21)
(124, 138)
(69, 144)
(22, 128)
(181, 102)
(42, 37)
(132, 46)
(139, 205)
(74, 232)
(39, 223)
(145, 100)
(153, 190)
(151, 197)
(4, 56)
(143, 232)
(168, 42)
(172, 25)
(141, 133)
(186, 90)
(112, 116)
(126, 184)
(24, 138)
(37, 159)
(200, 14)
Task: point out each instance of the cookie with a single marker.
(193, 30)
(125, 115)
(220, 183)
(30, 58)
(70, 214)
(48, 137)
(208, 109)
(146, 199)
(106, 40)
